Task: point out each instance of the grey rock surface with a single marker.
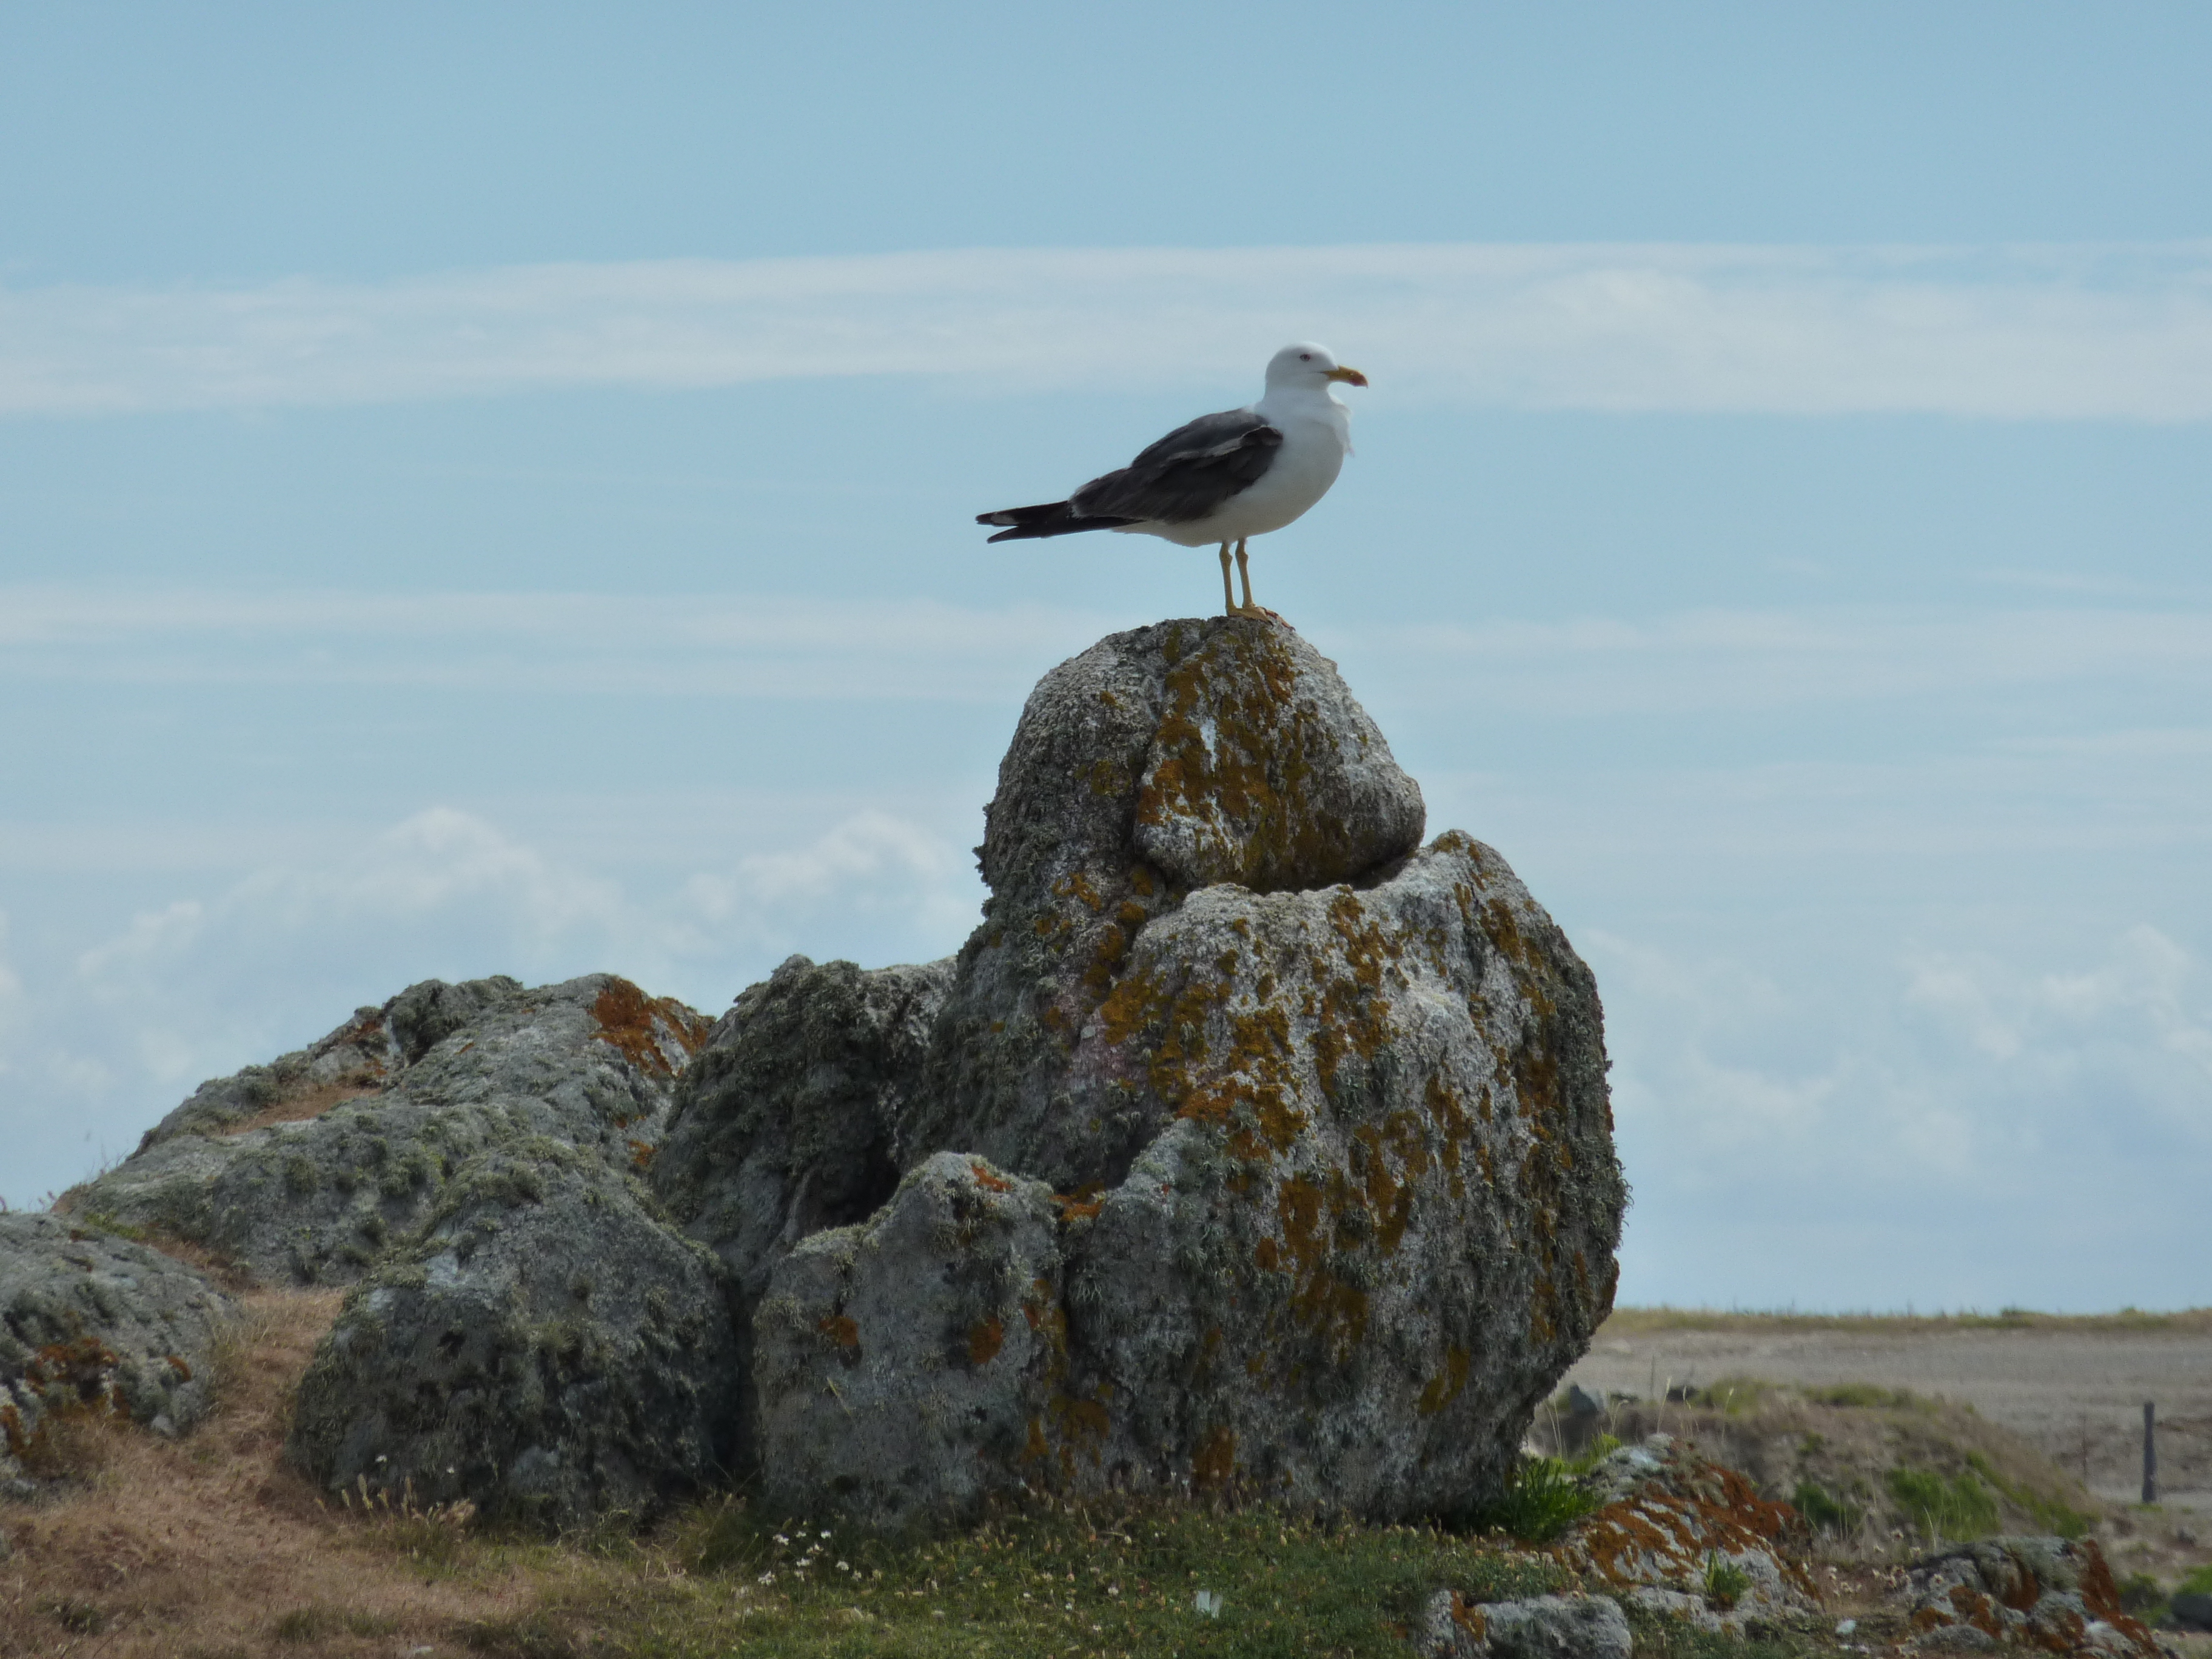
(304, 1170)
(788, 1121)
(1332, 1148)
(1537, 1627)
(2056, 1593)
(545, 1347)
(2189, 1611)
(1161, 760)
(90, 1320)
(907, 1368)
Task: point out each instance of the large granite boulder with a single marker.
(305, 1170)
(90, 1321)
(1325, 1116)
(545, 1347)
(1159, 762)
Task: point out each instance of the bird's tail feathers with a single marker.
(1049, 519)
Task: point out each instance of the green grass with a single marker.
(2198, 1582)
(1824, 1510)
(1542, 1498)
(2050, 1513)
(1959, 1508)
(1023, 1586)
(1725, 1582)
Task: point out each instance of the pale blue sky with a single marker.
(494, 493)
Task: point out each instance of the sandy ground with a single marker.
(2078, 1394)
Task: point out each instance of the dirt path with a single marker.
(2077, 1391)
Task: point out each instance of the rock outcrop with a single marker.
(2054, 1594)
(1248, 1147)
(1667, 1516)
(1322, 1115)
(1537, 1628)
(90, 1321)
(545, 1347)
(305, 1170)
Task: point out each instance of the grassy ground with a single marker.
(211, 1548)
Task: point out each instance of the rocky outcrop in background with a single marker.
(1248, 1147)
(306, 1169)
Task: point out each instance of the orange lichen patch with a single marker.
(640, 1152)
(985, 1338)
(1214, 1463)
(1441, 1390)
(1353, 1017)
(1034, 1447)
(989, 1180)
(1656, 1536)
(1085, 1202)
(841, 1330)
(1469, 1617)
(76, 1376)
(1076, 885)
(634, 1025)
(1266, 1256)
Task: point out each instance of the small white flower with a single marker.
(780, 1539)
(844, 1566)
(768, 1578)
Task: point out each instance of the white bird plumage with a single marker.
(1222, 478)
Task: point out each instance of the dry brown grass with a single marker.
(210, 1546)
(1642, 1322)
(299, 1108)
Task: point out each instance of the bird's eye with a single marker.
(1305, 356)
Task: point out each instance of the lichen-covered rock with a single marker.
(1161, 760)
(92, 1321)
(786, 1122)
(2055, 1593)
(1325, 1113)
(545, 1347)
(303, 1170)
(1538, 1627)
(1666, 1515)
(906, 1369)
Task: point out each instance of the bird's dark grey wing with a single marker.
(1188, 474)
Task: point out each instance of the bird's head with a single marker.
(1307, 364)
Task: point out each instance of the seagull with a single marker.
(1224, 477)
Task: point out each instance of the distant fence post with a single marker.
(2150, 1452)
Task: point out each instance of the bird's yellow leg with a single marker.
(1245, 575)
(1228, 599)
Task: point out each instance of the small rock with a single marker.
(1538, 1627)
(2190, 1611)
(2052, 1593)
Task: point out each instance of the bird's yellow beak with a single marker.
(1349, 376)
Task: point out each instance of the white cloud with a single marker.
(1977, 1070)
(749, 646)
(98, 1045)
(722, 644)
(2078, 332)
